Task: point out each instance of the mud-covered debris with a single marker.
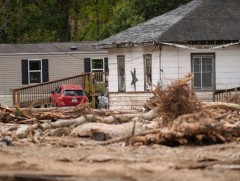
(176, 99)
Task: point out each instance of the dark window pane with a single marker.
(197, 80)
(97, 64)
(207, 60)
(197, 64)
(207, 68)
(35, 77)
(206, 64)
(35, 65)
(197, 68)
(197, 60)
(207, 80)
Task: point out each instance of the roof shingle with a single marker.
(199, 20)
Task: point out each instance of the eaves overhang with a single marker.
(52, 53)
(124, 45)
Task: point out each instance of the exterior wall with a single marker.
(121, 101)
(60, 66)
(175, 63)
(228, 68)
(133, 59)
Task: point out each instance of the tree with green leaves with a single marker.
(25, 21)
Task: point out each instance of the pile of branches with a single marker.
(175, 100)
(232, 98)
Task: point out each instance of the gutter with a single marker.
(124, 45)
(53, 53)
(201, 47)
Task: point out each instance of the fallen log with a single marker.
(65, 123)
(224, 105)
(4, 109)
(190, 129)
(109, 130)
(120, 118)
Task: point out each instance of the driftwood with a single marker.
(4, 109)
(221, 105)
(175, 100)
(110, 131)
(190, 129)
(126, 138)
(65, 123)
(120, 118)
(175, 118)
(89, 118)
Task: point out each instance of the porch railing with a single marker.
(228, 95)
(39, 94)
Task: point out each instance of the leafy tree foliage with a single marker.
(25, 21)
(152, 8)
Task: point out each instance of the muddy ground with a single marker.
(64, 158)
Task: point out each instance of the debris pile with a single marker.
(232, 98)
(177, 99)
(176, 117)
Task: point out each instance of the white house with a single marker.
(201, 37)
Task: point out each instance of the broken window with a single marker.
(204, 71)
(121, 73)
(147, 72)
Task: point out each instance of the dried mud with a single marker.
(63, 158)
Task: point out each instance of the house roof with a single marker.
(74, 47)
(199, 20)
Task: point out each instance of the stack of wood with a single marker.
(175, 117)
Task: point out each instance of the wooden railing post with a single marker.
(92, 84)
(18, 97)
(40, 93)
(13, 97)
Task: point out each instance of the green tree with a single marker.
(124, 16)
(151, 8)
(25, 21)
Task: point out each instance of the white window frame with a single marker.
(201, 56)
(31, 71)
(97, 69)
(98, 77)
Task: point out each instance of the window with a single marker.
(121, 73)
(204, 71)
(97, 65)
(34, 71)
(147, 72)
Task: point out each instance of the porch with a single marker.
(38, 95)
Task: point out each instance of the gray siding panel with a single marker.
(59, 66)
